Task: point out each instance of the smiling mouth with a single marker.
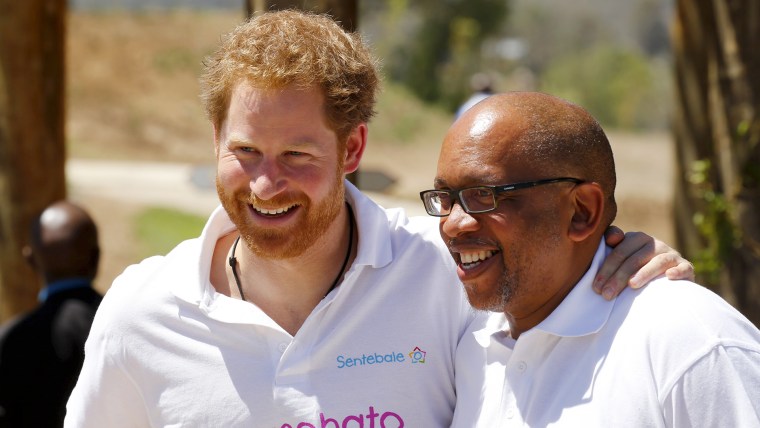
(273, 212)
(472, 259)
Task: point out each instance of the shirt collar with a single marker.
(583, 311)
(372, 222)
(56, 287)
(374, 250)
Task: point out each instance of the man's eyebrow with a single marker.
(464, 181)
(302, 142)
(242, 141)
(237, 140)
(439, 182)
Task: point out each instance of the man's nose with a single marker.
(458, 221)
(268, 180)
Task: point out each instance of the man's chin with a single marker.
(275, 248)
(484, 299)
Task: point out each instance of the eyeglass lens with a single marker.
(476, 199)
(437, 202)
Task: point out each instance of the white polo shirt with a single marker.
(672, 354)
(167, 350)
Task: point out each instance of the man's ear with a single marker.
(28, 255)
(355, 145)
(588, 204)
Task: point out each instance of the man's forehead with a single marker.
(486, 134)
(486, 150)
(252, 93)
(471, 165)
(272, 108)
(480, 126)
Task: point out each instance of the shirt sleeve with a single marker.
(721, 389)
(105, 395)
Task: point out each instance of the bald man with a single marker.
(41, 353)
(525, 190)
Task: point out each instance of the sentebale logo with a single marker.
(394, 357)
(417, 355)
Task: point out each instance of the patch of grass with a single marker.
(159, 230)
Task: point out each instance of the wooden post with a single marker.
(32, 151)
(344, 11)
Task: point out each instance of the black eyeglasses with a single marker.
(479, 199)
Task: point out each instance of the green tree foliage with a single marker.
(621, 88)
(554, 29)
(608, 55)
(651, 27)
(443, 49)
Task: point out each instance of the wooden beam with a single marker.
(32, 151)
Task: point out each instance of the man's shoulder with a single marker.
(29, 325)
(379, 224)
(181, 254)
(13, 331)
(420, 236)
(142, 292)
(395, 219)
(422, 227)
(682, 297)
(145, 282)
(78, 307)
(683, 311)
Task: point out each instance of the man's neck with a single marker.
(523, 317)
(289, 289)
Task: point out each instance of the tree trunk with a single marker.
(717, 132)
(344, 11)
(32, 152)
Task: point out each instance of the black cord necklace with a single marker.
(233, 259)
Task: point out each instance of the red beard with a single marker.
(283, 242)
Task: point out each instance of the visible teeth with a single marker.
(273, 212)
(471, 260)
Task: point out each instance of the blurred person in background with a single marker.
(41, 353)
(481, 85)
(303, 302)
